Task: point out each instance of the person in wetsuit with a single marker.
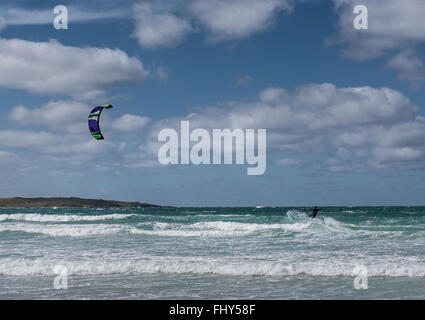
(315, 211)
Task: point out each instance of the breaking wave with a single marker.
(35, 217)
(190, 265)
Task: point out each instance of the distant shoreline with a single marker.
(72, 202)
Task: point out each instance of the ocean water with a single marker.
(212, 253)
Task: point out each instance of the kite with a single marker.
(94, 118)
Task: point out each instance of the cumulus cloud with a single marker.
(395, 27)
(64, 136)
(155, 30)
(69, 116)
(57, 147)
(393, 24)
(53, 68)
(159, 25)
(234, 19)
(352, 128)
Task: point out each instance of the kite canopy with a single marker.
(94, 118)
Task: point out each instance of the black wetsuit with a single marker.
(315, 212)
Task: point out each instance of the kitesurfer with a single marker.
(314, 211)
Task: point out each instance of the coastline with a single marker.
(72, 202)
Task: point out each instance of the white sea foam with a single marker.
(35, 217)
(215, 229)
(294, 222)
(251, 227)
(190, 233)
(197, 229)
(69, 230)
(192, 265)
(296, 215)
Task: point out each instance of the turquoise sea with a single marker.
(212, 253)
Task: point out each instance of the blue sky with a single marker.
(343, 108)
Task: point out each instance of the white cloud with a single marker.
(395, 27)
(129, 122)
(69, 116)
(351, 128)
(164, 24)
(234, 19)
(155, 30)
(393, 24)
(64, 135)
(57, 147)
(52, 68)
(273, 94)
(398, 154)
